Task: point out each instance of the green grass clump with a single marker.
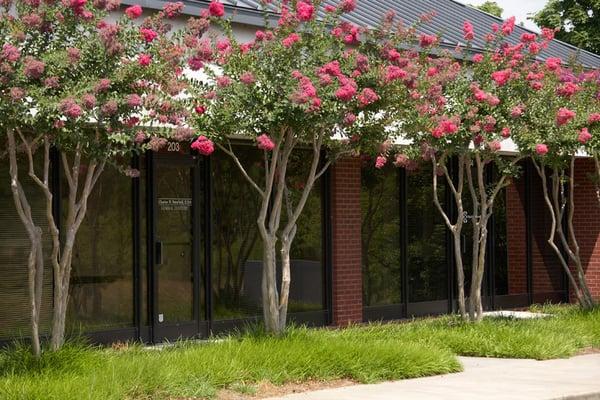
(367, 354)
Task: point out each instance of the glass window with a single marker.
(14, 251)
(101, 291)
(380, 234)
(427, 264)
(237, 246)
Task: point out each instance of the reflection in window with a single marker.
(237, 246)
(101, 291)
(427, 266)
(380, 232)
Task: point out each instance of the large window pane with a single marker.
(101, 292)
(380, 233)
(14, 251)
(427, 264)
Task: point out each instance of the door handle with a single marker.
(159, 253)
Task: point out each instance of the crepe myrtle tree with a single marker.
(73, 81)
(461, 116)
(553, 128)
(304, 83)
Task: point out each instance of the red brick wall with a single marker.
(546, 271)
(587, 222)
(346, 243)
(516, 234)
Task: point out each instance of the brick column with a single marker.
(346, 246)
(516, 234)
(586, 221)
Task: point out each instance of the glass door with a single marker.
(176, 288)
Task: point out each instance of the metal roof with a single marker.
(449, 19)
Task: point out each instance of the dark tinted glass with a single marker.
(14, 251)
(380, 233)
(101, 291)
(427, 264)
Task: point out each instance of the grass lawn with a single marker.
(366, 354)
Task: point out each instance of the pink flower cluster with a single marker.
(366, 97)
(216, 9)
(501, 77)
(306, 93)
(134, 11)
(148, 34)
(33, 69)
(445, 127)
(304, 10)
(290, 40)
(468, 32)
(10, 53)
(70, 108)
(203, 145)
(584, 136)
(564, 115)
(264, 142)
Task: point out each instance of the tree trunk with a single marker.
(35, 260)
(270, 297)
(556, 205)
(286, 279)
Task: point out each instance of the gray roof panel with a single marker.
(449, 19)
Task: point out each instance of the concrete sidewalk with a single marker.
(485, 378)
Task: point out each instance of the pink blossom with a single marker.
(16, 93)
(264, 142)
(52, 82)
(393, 73)
(329, 8)
(102, 85)
(347, 5)
(173, 10)
(195, 63)
(493, 100)
(247, 78)
(516, 111)
(33, 69)
(501, 77)
(144, 60)
(140, 137)
(380, 162)
(508, 26)
(157, 143)
(477, 58)
(223, 81)
(505, 132)
(59, 124)
(260, 36)
(564, 115)
(148, 34)
(290, 40)
(448, 126)
(216, 9)
(203, 145)
(427, 40)
(393, 55)
(346, 92)
(536, 85)
(88, 100)
(567, 89)
(584, 135)
(553, 63)
(110, 107)
(10, 52)
(304, 10)
(541, 149)
(468, 33)
(528, 37)
(548, 33)
(134, 100)
(73, 54)
(32, 20)
(494, 145)
(200, 110)
(534, 48)
(366, 97)
(77, 6)
(593, 118)
(349, 119)
(70, 109)
(134, 11)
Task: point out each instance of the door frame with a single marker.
(197, 327)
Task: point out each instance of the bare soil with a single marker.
(266, 389)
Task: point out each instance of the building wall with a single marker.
(587, 222)
(517, 237)
(346, 242)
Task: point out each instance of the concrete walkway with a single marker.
(485, 378)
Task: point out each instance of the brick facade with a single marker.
(587, 222)
(547, 276)
(346, 243)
